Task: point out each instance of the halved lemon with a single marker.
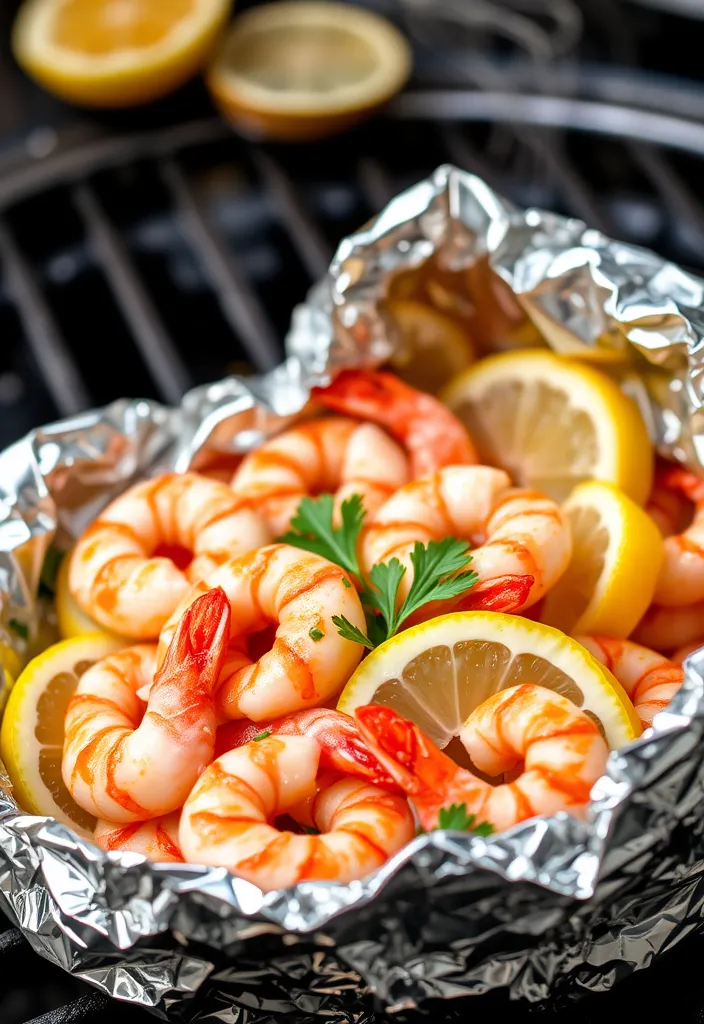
(434, 349)
(72, 620)
(616, 558)
(436, 673)
(116, 53)
(32, 734)
(552, 422)
(305, 70)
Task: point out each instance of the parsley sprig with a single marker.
(439, 568)
(456, 819)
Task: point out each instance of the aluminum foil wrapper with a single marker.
(550, 909)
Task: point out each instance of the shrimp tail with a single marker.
(412, 759)
(505, 594)
(342, 747)
(199, 645)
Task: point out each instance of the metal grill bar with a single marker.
(671, 187)
(164, 363)
(239, 305)
(53, 357)
(305, 234)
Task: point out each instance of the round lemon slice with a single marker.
(72, 620)
(435, 348)
(553, 422)
(305, 70)
(617, 552)
(32, 734)
(116, 53)
(438, 672)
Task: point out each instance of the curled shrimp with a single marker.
(649, 679)
(125, 764)
(227, 820)
(157, 839)
(522, 539)
(666, 629)
(430, 433)
(681, 580)
(335, 454)
(341, 745)
(556, 749)
(139, 558)
(307, 662)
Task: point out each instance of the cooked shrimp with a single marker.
(126, 764)
(681, 580)
(523, 541)
(650, 680)
(335, 454)
(560, 749)
(665, 629)
(309, 661)
(342, 747)
(228, 819)
(430, 433)
(140, 557)
(156, 839)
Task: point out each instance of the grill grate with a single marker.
(169, 259)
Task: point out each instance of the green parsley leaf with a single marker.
(262, 736)
(19, 629)
(50, 570)
(312, 530)
(316, 634)
(455, 817)
(350, 632)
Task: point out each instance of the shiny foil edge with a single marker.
(79, 906)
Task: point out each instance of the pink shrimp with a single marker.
(156, 839)
(522, 541)
(553, 751)
(649, 679)
(334, 454)
(228, 819)
(139, 558)
(125, 764)
(430, 433)
(342, 747)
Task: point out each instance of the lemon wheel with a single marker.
(31, 738)
(297, 71)
(552, 423)
(116, 53)
(436, 673)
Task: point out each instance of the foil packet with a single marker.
(551, 909)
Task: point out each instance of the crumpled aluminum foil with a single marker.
(551, 908)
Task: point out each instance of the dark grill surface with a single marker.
(144, 262)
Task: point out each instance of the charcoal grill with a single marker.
(146, 262)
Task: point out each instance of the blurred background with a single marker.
(146, 250)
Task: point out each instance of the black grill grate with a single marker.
(169, 259)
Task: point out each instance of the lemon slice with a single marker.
(552, 422)
(116, 53)
(438, 672)
(305, 70)
(435, 348)
(617, 552)
(72, 620)
(32, 734)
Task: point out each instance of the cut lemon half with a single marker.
(616, 557)
(305, 70)
(116, 53)
(552, 423)
(434, 349)
(32, 734)
(72, 620)
(438, 672)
